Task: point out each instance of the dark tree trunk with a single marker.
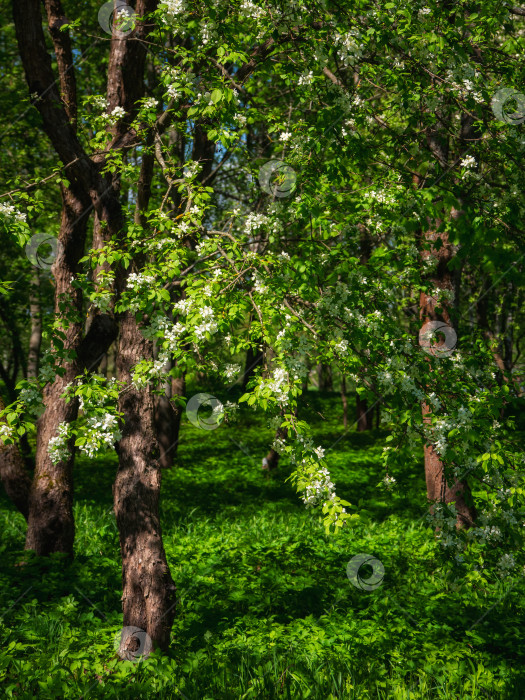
(15, 479)
(439, 490)
(363, 417)
(35, 338)
(148, 589)
(167, 420)
(254, 359)
(148, 597)
(50, 523)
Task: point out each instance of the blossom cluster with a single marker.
(207, 324)
(100, 432)
(320, 489)
(6, 432)
(57, 448)
(11, 212)
(350, 49)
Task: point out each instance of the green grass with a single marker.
(265, 609)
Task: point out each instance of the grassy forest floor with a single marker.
(265, 608)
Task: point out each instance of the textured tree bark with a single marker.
(167, 420)
(149, 592)
(35, 338)
(13, 474)
(148, 597)
(50, 524)
(64, 57)
(439, 489)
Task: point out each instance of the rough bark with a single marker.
(50, 523)
(35, 337)
(167, 420)
(64, 57)
(13, 474)
(439, 488)
(148, 588)
(148, 597)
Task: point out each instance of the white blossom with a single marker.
(251, 10)
(306, 79)
(101, 431)
(320, 489)
(231, 371)
(118, 113)
(11, 212)
(468, 162)
(150, 103)
(174, 7)
(57, 448)
(6, 431)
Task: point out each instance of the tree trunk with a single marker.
(50, 524)
(254, 358)
(363, 419)
(148, 597)
(35, 338)
(167, 420)
(438, 488)
(13, 474)
(439, 491)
